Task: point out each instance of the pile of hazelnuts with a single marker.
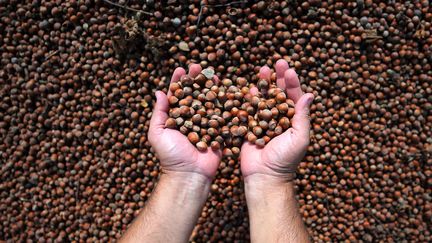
(76, 102)
(225, 114)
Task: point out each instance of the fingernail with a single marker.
(310, 100)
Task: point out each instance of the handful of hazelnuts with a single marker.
(223, 114)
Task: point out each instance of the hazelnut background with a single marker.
(77, 83)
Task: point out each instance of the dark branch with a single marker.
(127, 8)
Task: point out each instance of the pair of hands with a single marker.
(278, 159)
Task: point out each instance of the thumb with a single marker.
(301, 119)
(160, 113)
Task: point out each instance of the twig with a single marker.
(128, 8)
(200, 13)
(50, 55)
(77, 192)
(225, 4)
(381, 223)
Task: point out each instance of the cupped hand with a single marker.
(173, 149)
(281, 156)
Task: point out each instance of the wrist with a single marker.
(191, 183)
(259, 186)
(198, 168)
(270, 181)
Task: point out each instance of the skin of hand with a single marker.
(173, 149)
(280, 157)
(268, 172)
(183, 187)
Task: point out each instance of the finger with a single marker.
(292, 85)
(265, 73)
(281, 66)
(301, 119)
(178, 72)
(254, 91)
(194, 70)
(160, 113)
(214, 153)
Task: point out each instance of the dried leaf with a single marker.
(421, 33)
(372, 34)
(144, 103)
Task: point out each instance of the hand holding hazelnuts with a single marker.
(204, 118)
(173, 148)
(281, 155)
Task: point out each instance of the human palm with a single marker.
(281, 156)
(174, 150)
